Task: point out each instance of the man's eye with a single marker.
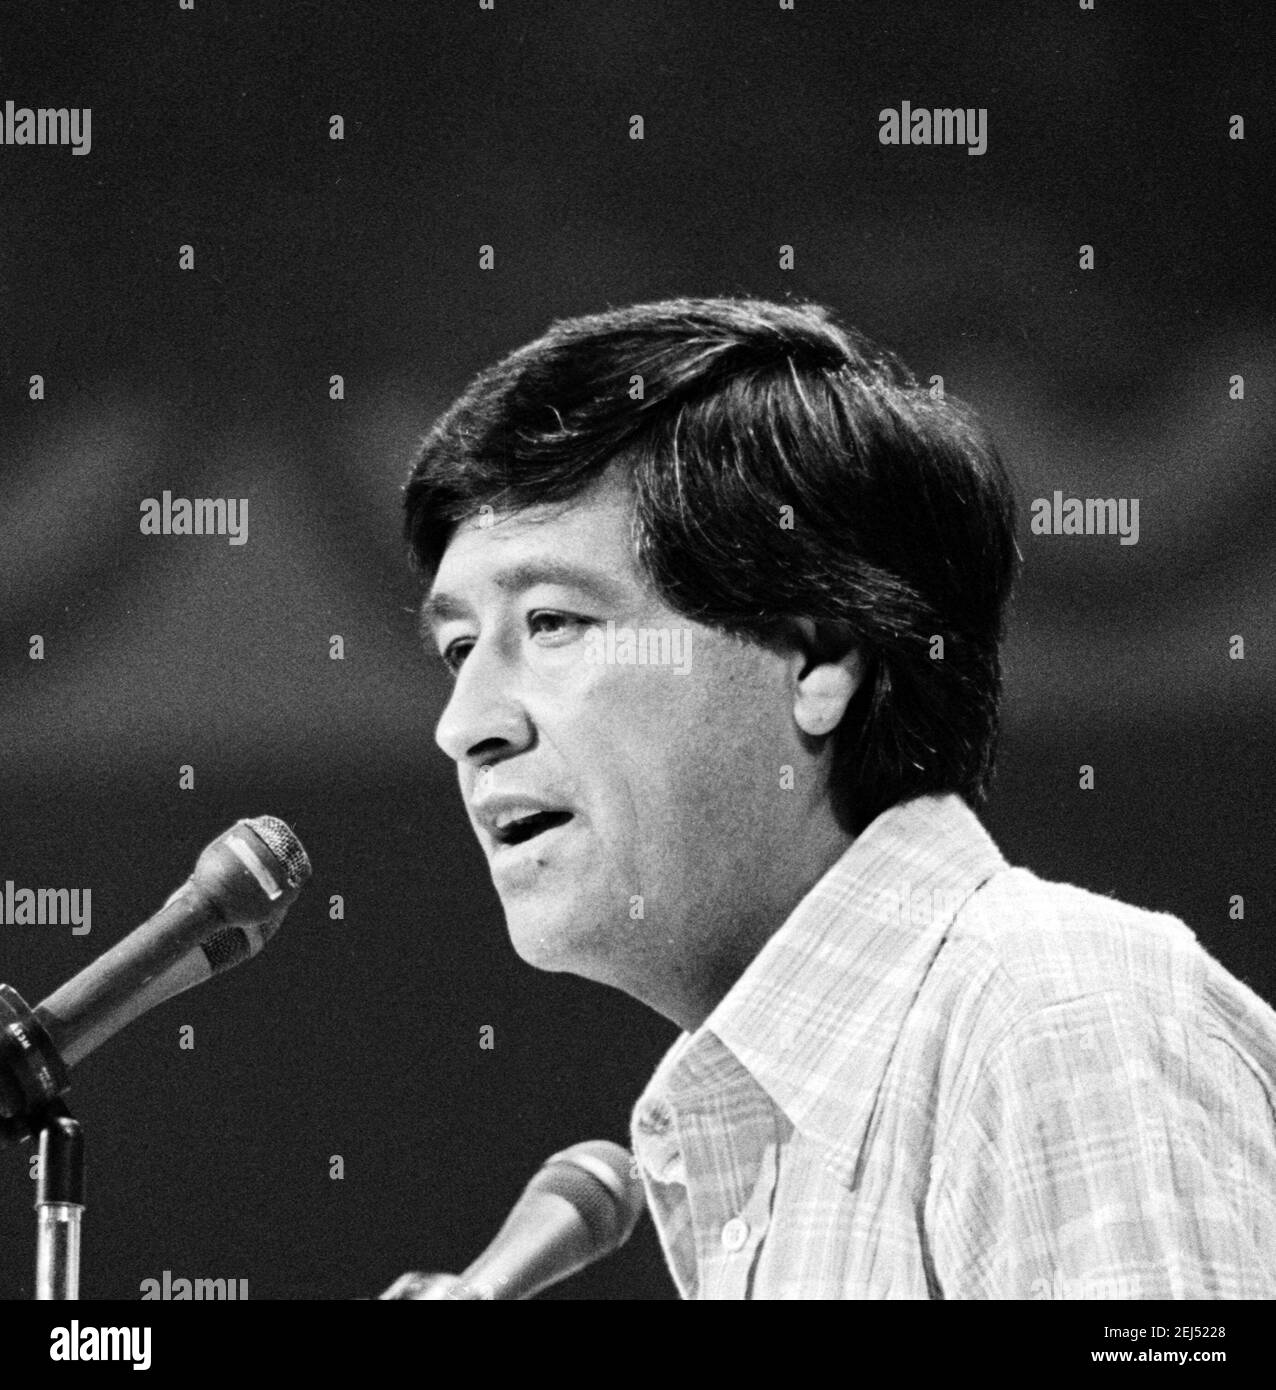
(455, 652)
(541, 623)
(556, 624)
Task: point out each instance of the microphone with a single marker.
(232, 904)
(582, 1205)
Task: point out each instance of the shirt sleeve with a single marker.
(1103, 1152)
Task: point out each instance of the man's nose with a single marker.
(483, 715)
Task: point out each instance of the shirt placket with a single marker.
(730, 1215)
(742, 1235)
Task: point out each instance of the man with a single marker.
(722, 591)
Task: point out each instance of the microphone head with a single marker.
(254, 885)
(252, 872)
(582, 1205)
(284, 845)
(600, 1180)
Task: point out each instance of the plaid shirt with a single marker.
(946, 1078)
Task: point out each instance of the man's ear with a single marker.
(830, 670)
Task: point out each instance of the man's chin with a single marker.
(538, 940)
(552, 941)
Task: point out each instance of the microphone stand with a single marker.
(32, 1076)
(59, 1206)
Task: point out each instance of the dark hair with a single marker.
(782, 466)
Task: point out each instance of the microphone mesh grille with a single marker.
(598, 1179)
(593, 1202)
(226, 948)
(285, 846)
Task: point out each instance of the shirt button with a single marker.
(734, 1234)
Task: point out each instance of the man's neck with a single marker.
(695, 986)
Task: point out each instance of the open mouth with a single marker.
(528, 827)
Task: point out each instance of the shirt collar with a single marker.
(814, 1017)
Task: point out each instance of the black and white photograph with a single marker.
(637, 665)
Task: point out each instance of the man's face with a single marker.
(668, 839)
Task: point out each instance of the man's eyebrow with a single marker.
(441, 607)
